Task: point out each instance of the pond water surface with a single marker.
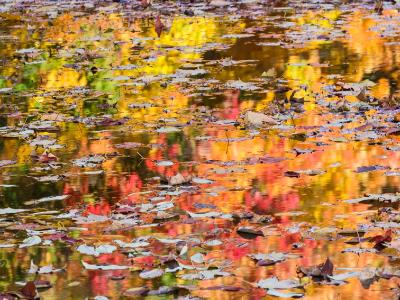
(138, 152)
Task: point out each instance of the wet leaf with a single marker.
(277, 293)
(104, 267)
(197, 258)
(150, 274)
(29, 290)
(96, 251)
(327, 268)
(9, 210)
(275, 283)
(159, 26)
(292, 174)
(30, 241)
(258, 119)
(249, 231)
(136, 291)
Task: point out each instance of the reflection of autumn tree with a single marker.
(73, 44)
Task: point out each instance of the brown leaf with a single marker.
(29, 290)
(136, 291)
(380, 240)
(226, 288)
(248, 232)
(159, 26)
(327, 268)
(318, 271)
(47, 157)
(291, 174)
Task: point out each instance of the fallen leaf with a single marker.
(275, 283)
(150, 274)
(30, 291)
(103, 267)
(258, 119)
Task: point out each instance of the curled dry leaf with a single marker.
(88, 266)
(258, 119)
(322, 270)
(30, 291)
(150, 274)
(292, 174)
(275, 283)
(178, 179)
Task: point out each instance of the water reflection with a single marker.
(104, 80)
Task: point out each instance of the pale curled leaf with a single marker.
(88, 266)
(151, 274)
(280, 294)
(9, 210)
(275, 283)
(258, 119)
(30, 241)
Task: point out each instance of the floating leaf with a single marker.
(103, 267)
(30, 241)
(280, 294)
(8, 210)
(275, 283)
(151, 274)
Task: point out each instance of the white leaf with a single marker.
(96, 251)
(167, 129)
(344, 276)
(106, 249)
(213, 243)
(151, 274)
(197, 258)
(258, 119)
(210, 274)
(30, 241)
(91, 218)
(211, 214)
(164, 163)
(240, 85)
(103, 267)
(47, 199)
(204, 275)
(184, 250)
(273, 256)
(33, 269)
(163, 206)
(201, 180)
(275, 283)
(170, 241)
(88, 250)
(9, 210)
(48, 269)
(131, 245)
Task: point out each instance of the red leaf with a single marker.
(29, 290)
(159, 26)
(379, 240)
